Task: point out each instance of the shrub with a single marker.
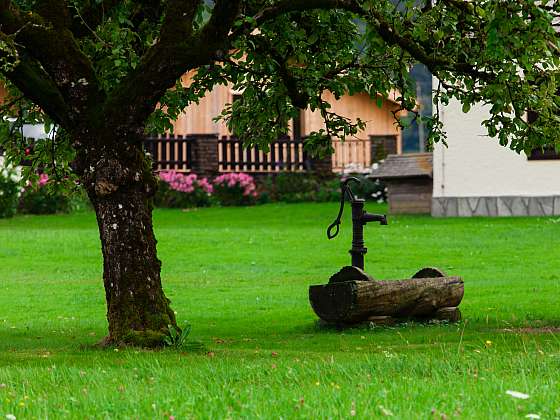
(265, 189)
(369, 188)
(295, 187)
(9, 191)
(300, 187)
(40, 199)
(235, 189)
(79, 200)
(329, 190)
(177, 190)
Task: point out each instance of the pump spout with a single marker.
(368, 217)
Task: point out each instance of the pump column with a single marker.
(358, 249)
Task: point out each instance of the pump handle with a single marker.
(344, 191)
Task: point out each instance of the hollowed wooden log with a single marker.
(355, 301)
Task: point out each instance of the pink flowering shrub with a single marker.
(178, 190)
(40, 199)
(43, 179)
(235, 189)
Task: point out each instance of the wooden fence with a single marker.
(351, 152)
(284, 155)
(362, 152)
(170, 152)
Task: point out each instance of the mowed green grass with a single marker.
(240, 276)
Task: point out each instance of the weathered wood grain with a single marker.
(356, 301)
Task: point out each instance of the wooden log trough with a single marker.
(353, 296)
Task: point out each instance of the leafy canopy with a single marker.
(73, 64)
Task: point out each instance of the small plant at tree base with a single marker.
(78, 200)
(235, 189)
(9, 191)
(177, 190)
(178, 338)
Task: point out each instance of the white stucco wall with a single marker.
(475, 165)
(34, 131)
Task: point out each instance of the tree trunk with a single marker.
(120, 185)
(356, 301)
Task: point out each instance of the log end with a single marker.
(333, 302)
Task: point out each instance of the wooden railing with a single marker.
(170, 152)
(177, 153)
(228, 154)
(362, 152)
(351, 152)
(284, 155)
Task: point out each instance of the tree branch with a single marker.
(31, 79)
(177, 24)
(55, 12)
(91, 14)
(51, 47)
(177, 51)
(387, 31)
(287, 6)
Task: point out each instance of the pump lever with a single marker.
(344, 191)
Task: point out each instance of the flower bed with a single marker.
(235, 189)
(40, 199)
(178, 190)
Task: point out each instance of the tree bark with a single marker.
(356, 301)
(120, 184)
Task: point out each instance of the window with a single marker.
(381, 146)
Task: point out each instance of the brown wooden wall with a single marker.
(379, 122)
(198, 118)
(409, 195)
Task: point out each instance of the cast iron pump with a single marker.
(359, 218)
(352, 296)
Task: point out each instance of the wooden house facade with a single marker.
(381, 132)
(196, 127)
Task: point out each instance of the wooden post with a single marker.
(321, 167)
(205, 155)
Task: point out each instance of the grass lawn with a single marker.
(240, 277)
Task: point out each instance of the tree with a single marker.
(94, 71)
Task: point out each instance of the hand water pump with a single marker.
(359, 219)
(352, 295)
